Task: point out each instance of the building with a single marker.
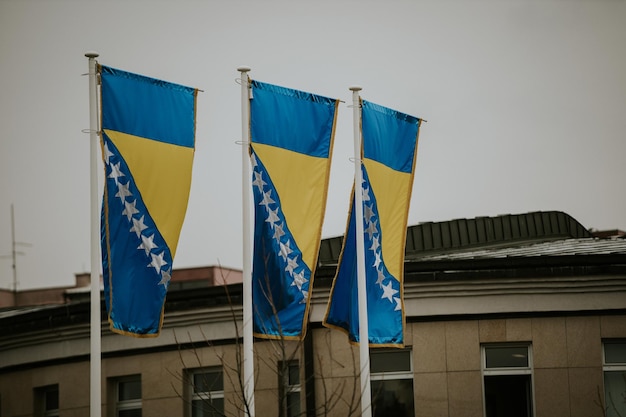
(517, 315)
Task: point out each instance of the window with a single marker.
(290, 386)
(128, 397)
(507, 380)
(207, 392)
(392, 383)
(614, 366)
(47, 401)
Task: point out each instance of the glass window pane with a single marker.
(208, 381)
(293, 404)
(615, 393)
(51, 399)
(206, 408)
(129, 413)
(294, 374)
(390, 361)
(392, 398)
(508, 395)
(218, 403)
(129, 390)
(506, 357)
(615, 352)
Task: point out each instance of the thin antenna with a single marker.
(14, 251)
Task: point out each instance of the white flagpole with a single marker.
(364, 353)
(248, 347)
(96, 349)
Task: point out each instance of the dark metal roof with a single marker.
(566, 247)
(493, 231)
(462, 235)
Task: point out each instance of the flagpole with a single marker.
(95, 327)
(364, 354)
(248, 347)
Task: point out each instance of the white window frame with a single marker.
(292, 388)
(394, 375)
(612, 367)
(132, 404)
(203, 395)
(503, 371)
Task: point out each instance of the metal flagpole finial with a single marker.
(243, 68)
(92, 54)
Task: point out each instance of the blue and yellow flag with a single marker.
(291, 145)
(389, 148)
(148, 139)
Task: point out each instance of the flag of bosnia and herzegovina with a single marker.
(292, 136)
(389, 147)
(148, 139)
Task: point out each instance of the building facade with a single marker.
(521, 315)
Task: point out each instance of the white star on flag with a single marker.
(375, 244)
(157, 261)
(107, 154)
(115, 172)
(299, 280)
(381, 278)
(366, 194)
(389, 292)
(377, 260)
(285, 250)
(166, 276)
(272, 217)
(138, 226)
(291, 265)
(130, 209)
(147, 244)
(258, 180)
(369, 213)
(371, 229)
(267, 200)
(123, 191)
(278, 232)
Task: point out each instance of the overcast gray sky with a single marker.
(525, 102)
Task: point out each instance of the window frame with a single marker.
(507, 371)
(41, 401)
(610, 367)
(132, 404)
(287, 387)
(390, 375)
(394, 375)
(193, 395)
